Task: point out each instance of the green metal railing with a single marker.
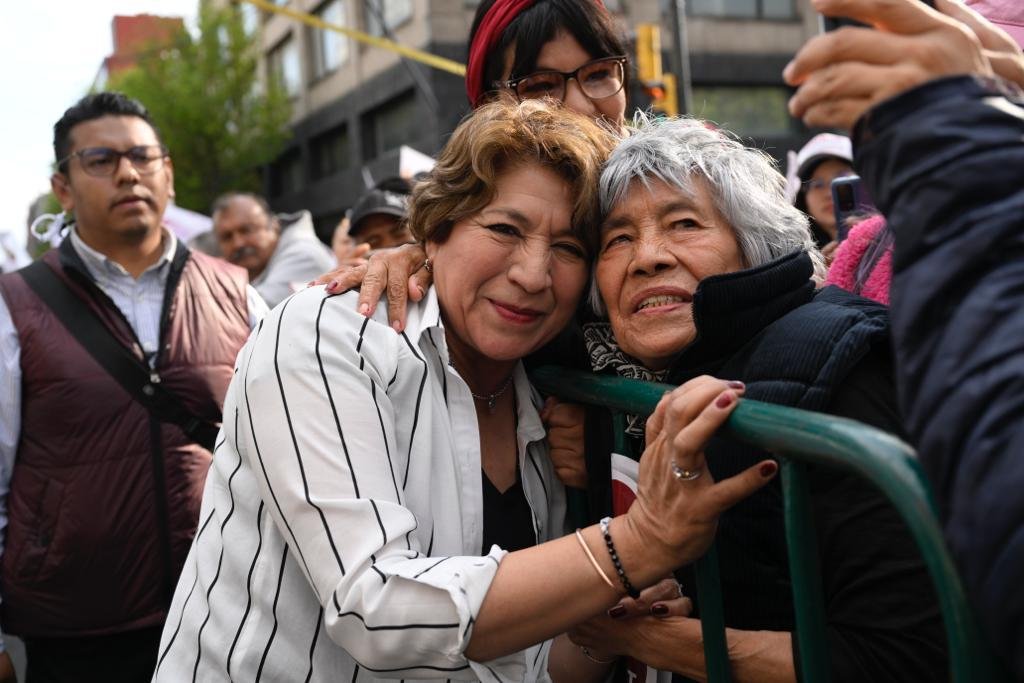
(800, 438)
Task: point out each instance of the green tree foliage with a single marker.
(219, 121)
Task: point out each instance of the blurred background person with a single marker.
(281, 253)
(378, 218)
(810, 172)
(345, 249)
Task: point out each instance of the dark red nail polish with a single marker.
(724, 401)
(617, 612)
(659, 610)
(736, 384)
(769, 469)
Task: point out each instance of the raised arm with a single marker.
(946, 162)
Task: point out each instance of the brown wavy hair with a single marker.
(502, 134)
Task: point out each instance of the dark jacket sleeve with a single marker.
(945, 164)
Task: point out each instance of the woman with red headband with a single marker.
(567, 50)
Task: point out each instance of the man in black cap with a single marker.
(378, 218)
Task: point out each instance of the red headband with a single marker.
(494, 23)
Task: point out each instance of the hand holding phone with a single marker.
(828, 23)
(841, 75)
(849, 201)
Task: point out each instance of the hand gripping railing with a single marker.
(800, 438)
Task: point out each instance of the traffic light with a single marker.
(659, 86)
(648, 53)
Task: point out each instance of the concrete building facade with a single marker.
(354, 105)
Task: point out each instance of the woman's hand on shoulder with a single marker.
(678, 503)
(398, 271)
(564, 422)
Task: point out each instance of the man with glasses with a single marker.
(103, 471)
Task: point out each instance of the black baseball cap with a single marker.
(378, 202)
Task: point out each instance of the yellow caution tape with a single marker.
(418, 55)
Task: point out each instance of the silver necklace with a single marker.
(492, 399)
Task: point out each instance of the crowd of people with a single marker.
(336, 489)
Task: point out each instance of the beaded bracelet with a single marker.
(607, 533)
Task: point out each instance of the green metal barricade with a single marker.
(799, 438)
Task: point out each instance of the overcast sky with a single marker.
(49, 55)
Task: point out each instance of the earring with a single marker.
(428, 265)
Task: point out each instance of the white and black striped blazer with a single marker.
(341, 524)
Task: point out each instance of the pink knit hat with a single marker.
(1006, 14)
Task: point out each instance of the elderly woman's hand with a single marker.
(399, 271)
(843, 73)
(676, 511)
(565, 439)
(614, 633)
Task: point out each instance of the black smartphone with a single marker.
(832, 23)
(849, 201)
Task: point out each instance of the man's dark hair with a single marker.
(584, 20)
(93, 107)
(221, 203)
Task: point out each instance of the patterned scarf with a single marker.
(605, 353)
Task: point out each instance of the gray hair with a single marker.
(746, 187)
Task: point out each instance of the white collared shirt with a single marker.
(342, 520)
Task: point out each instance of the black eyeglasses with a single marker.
(103, 161)
(597, 79)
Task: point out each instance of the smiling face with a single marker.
(126, 206)
(656, 246)
(508, 277)
(564, 53)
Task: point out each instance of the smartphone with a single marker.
(849, 201)
(832, 23)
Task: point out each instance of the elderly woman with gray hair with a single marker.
(704, 268)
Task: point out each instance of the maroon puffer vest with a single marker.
(104, 500)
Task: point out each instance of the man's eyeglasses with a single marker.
(597, 79)
(104, 161)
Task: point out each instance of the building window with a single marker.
(286, 174)
(330, 48)
(330, 152)
(749, 111)
(742, 9)
(393, 12)
(286, 66)
(387, 127)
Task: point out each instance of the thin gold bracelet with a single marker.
(593, 561)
